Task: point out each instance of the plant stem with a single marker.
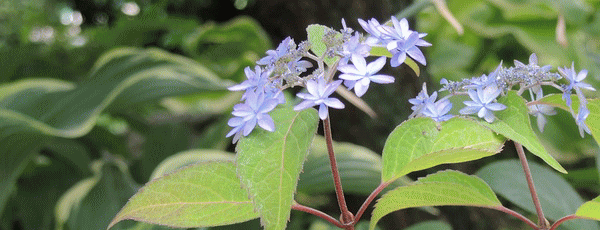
(318, 213)
(369, 199)
(542, 222)
(561, 220)
(347, 216)
(518, 215)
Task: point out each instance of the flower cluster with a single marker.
(484, 90)
(289, 64)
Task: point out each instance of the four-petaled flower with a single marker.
(421, 99)
(482, 102)
(438, 110)
(580, 120)
(575, 82)
(359, 75)
(257, 81)
(401, 48)
(318, 94)
(254, 111)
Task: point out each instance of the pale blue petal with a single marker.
(323, 112)
(266, 122)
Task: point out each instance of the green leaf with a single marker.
(269, 163)
(315, 37)
(229, 47)
(441, 188)
(593, 120)
(100, 197)
(205, 194)
(590, 209)
(422, 143)
(120, 79)
(557, 197)
(514, 123)
(189, 157)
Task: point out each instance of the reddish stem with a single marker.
(370, 199)
(347, 216)
(318, 213)
(561, 220)
(517, 215)
(542, 222)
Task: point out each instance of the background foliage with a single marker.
(98, 97)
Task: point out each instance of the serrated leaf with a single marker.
(590, 209)
(205, 194)
(422, 143)
(315, 37)
(189, 157)
(593, 105)
(269, 163)
(557, 197)
(442, 188)
(514, 123)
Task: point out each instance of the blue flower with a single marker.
(575, 82)
(274, 55)
(421, 99)
(533, 62)
(318, 94)
(484, 80)
(438, 110)
(401, 48)
(580, 120)
(353, 47)
(400, 31)
(298, 66)
(373, 28)
(257, 81)
(253, 111)
(360, 74)
(482, 102)
(539, 111)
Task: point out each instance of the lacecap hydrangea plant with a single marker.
(263, 179)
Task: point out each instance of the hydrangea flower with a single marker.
(373, 28)
(400, 31)
(257, 80)
(353, 47)
(575, 82)
(580, 120)
(421, 99)
(361, 74)
(482, 102)
(318, 94)
(533, 62)
(274, 55)
(438, 110)
(298, 66)
(250, 113)
(401, 48)
(539, 111)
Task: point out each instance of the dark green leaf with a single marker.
(557, 197)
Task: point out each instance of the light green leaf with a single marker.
(514, 123)
(592, 121)
(590, 209)
(422, 143)
(557, 197)
(269, 163)
(442, 188)
(188, 157)
(205, 194)
(315, 37)
(100, 196)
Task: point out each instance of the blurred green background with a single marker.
(94, 95)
